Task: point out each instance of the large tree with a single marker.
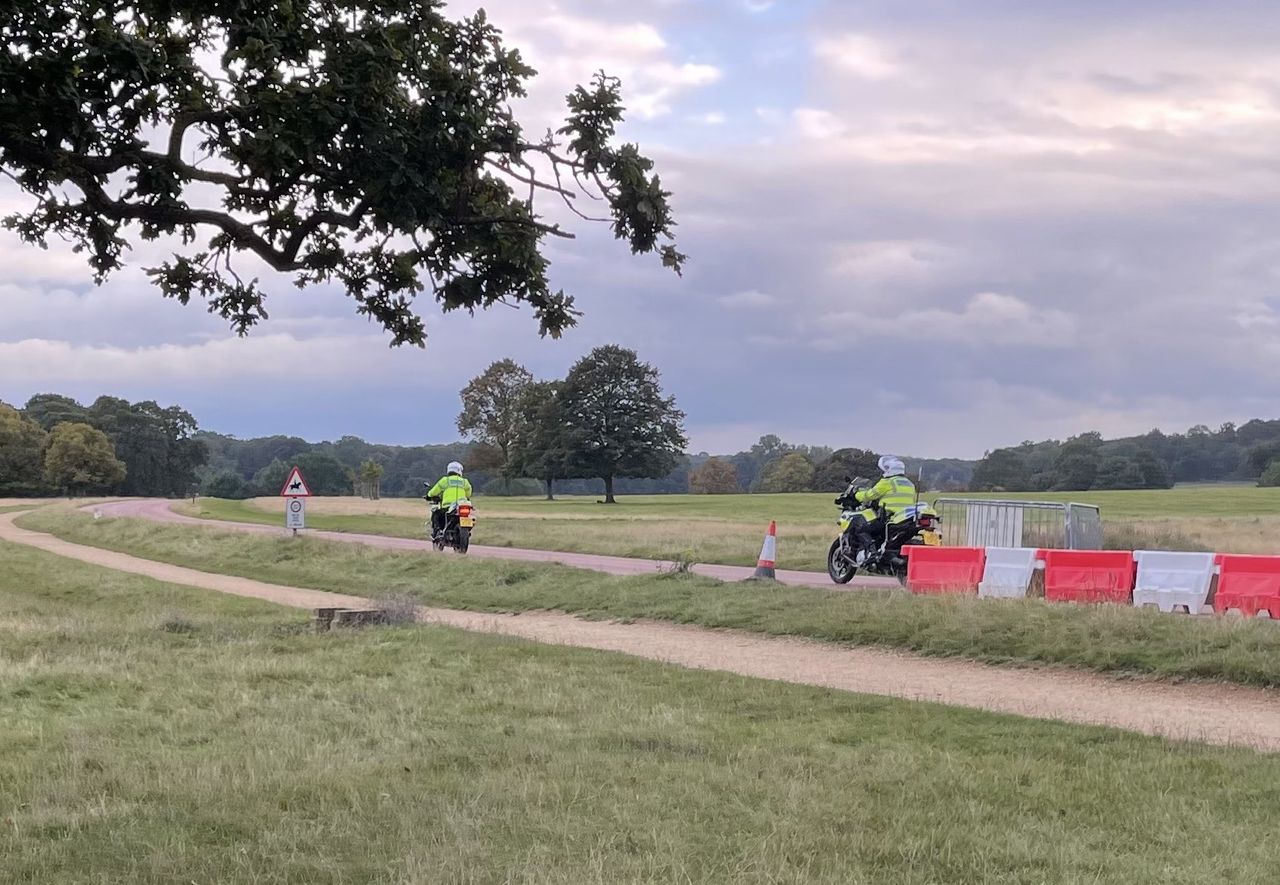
(715, 476)
(1004, 470)
(22, 443)
(490, 406)
(51, 409)
(790, 473)
(364, 143)
(80, 459)
(829, 476)
(538, 449)
(325, 474)
(156, 443)
(617, 420)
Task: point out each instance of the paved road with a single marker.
(160, 511)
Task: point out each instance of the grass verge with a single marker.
(155, 734)
(1109, 639)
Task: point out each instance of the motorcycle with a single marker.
(921, 526)
(459, 520)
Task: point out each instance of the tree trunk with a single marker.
(608, 490)
(551, 496)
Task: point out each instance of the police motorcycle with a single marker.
(921, 526)
(459, 520)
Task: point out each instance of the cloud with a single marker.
(987, 319)
(1022, 222)
(750, 298)
(859, 55)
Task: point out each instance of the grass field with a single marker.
(1111, 639)
(155, 734)
(728, 529)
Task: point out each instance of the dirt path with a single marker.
(160, 511)
(1208, 713)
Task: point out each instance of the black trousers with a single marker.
(864, 535)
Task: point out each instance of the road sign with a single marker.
(295, 514)
(295, 486)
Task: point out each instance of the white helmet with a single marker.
(891, 466)
(454, 467)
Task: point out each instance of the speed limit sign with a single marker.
(295, 514)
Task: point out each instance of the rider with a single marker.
(452, 488)
(892, 494)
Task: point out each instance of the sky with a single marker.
(931, 228)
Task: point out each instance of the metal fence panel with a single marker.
(1084, 527)
(991, 523)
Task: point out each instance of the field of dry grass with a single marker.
(729, 529)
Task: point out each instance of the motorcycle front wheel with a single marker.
(840, 569)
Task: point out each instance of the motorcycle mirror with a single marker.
(848, 479)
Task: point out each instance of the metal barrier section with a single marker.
(971, 522)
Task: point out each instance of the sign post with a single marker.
(295, 493)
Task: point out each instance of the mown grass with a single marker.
(1109, 639)
(155, 734)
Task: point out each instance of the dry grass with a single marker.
(1256, 534)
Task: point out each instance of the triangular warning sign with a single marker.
(295, 486)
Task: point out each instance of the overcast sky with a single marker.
(932, 228)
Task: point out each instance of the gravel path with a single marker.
(1209, 713)
(161, 511)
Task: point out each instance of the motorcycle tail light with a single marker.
(464, 510)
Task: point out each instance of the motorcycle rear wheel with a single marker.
(839, 568)
(464, 540)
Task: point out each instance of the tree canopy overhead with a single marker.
(367, 143)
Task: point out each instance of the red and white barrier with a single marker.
(1248, 584)
(1009, 571)
(1168, 580)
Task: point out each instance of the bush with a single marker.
(1271, 476)
(226, 485)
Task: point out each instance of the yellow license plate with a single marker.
(932, 539)
(466, 522)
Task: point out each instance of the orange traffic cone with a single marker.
(768, 555)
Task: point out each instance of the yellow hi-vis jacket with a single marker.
(451, 489)
(893, 493)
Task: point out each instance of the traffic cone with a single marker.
(768, 555)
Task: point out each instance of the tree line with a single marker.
(54, 445)
(773, 466)
(1155, 460)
